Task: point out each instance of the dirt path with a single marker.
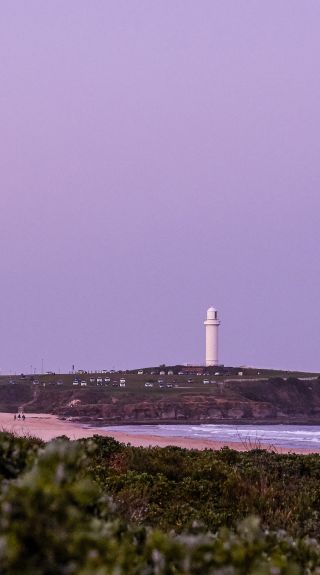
(35, 395)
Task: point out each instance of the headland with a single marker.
(168, 395)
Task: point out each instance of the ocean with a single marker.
(289, 436)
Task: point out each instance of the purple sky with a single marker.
(158, 157)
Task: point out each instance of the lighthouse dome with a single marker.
(212, 313)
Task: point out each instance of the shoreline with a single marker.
(46, 426)
(101, 422)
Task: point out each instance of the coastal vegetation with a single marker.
(98, 506)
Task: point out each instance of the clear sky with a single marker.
(158, 157)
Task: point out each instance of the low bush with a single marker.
(90, 507)
(173, 488)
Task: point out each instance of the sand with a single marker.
(47, 426)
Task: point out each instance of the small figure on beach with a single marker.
(19, 416)
(23, 416)
(15, 416)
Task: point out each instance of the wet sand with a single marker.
(47, 427)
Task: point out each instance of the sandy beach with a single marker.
(47, 427)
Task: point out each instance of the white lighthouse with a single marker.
(212, 324)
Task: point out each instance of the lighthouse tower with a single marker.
(212, 323)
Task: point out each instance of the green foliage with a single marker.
(58, 517)
(16, 453)
(173, 488)
(49, 517)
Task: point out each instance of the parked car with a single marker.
(83, 383)
(140, 372)
(148, 384)
(99, 379)
(107, 379)
(92, 379)
(75, 382)
(206, 381)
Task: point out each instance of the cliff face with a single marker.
(193, 409)
(263, 401)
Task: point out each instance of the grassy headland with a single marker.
(170, 395)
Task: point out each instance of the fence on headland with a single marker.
(248, 379)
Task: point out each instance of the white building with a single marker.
(212, 324)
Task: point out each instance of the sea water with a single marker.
(289, 436)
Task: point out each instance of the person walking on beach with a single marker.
(15, 417)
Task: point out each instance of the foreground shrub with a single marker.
(172, 488)
(16, 454)
(49, 518)
(56, 521)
